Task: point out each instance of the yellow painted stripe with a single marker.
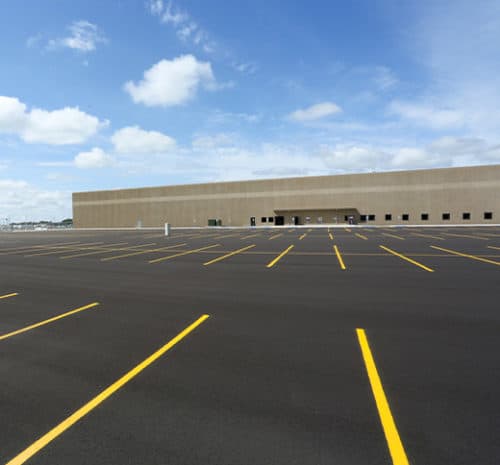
(274, 237)
(248, 237)
(339, 257)
(103, 249)
(331, 236)
(403, 257)
(394, 236)
(46, 322)
(361, 236)
(218, 259)
(429, 235)
(467, 236)
(279, 257)
(168, 257)
(347, 229)
(141, 252)
(6, 296)
(62, 249)
(106, 249)
(493, 247)
(32, 248)
(473, 257)
(302, 237)
(47, 438)
(392, 437)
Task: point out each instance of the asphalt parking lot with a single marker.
(281, 346)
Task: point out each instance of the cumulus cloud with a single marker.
(21, 201)
(84, 37)
(315, 112)
(428, 115)
(172, 82)
(68, 125)
(135, 140)
(95, 158)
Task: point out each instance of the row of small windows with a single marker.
(424, 216)
(267, 219)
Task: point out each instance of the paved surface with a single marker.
(278, 373)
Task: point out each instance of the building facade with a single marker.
(468, 195)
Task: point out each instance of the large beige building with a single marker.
(469, 195)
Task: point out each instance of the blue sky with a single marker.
(114, 94)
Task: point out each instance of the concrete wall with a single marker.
(473, 190)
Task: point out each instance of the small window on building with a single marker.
(263, 219)
(371, 217)
(424, 216)
(270, 219)
(446, 216)
(362, 218)
(405, 216)
(388, 217)
(488, 215)
(466, 216)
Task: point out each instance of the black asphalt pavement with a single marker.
(276, 374)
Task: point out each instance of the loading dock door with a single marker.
(279, 220)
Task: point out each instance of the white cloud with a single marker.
(315, 112)
(172, 82)
(68, 125)
(184, 26)
(384, 78)
(84, 37)
(21, 201)
(211, 141)
(428, 115)
(135, 140)
(95, 158)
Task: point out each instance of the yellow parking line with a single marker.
(467, 236)
(248, 237)
(394, 236)
(426, 268)
(302, 237)
(140, 252)
(392, 437)
(361, 236)
(347, 229)
(104, 250)
(331, 236)
(473, 257)
(429, 235)
(6, 296)
(50, 320)
(62, 249)
(279, 257)
(218, 259)
(493, 247)
(339, 257)
(48, 437)
(168, 257)
(36, 247)
(274, 237)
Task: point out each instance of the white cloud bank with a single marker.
(172, 82)
(135, 140)
(68, 125)
(84, 37)
(315, 112)
(20, 201)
